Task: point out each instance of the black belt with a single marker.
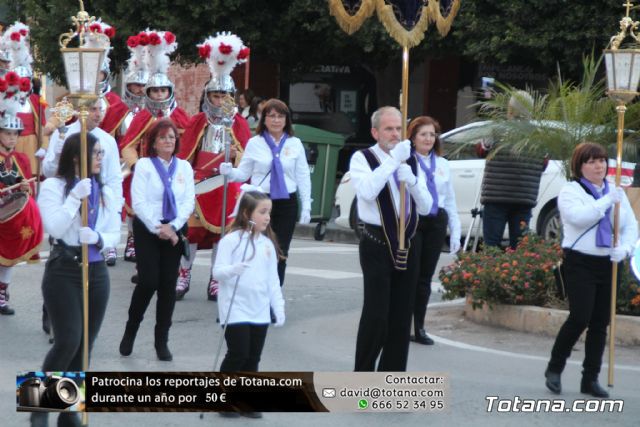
(375, 233)
(61, 249)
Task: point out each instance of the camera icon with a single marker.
(53, 392)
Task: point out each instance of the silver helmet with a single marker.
(159, 80)
(103, 84)
(133, 101)
(220, 84)
(11, 122)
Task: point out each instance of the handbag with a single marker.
(559, 273)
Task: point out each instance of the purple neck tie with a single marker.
(169, 209)
(94, 207)
(278, 188)
(431, 182)
(604, 229)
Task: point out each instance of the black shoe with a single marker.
(229, 414)
(553, 381)
(254, 415)
(161, 340)
(129, 338)
(134, 279)
(422, 338)
(6, 310)
(593, 388)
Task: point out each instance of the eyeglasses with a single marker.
(273, 116)
(98, 153)
(432, 135)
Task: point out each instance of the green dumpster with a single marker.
(322, 155)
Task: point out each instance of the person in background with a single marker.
(245, 99)
(162, 193)
(424, 133)
(586, 206)
(276, 161)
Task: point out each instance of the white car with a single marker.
(467, 171)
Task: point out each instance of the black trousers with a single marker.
(432, 231)
(588, 280)
(157, 261)
(385, 323)
(244, 347)
(284, 215)
(62, 293)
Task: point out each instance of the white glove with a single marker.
(305, 216)
(454, 244)
(82, 189)
(280, 317)
(41, 153)
(238, 269)
(226, 168)
(87, 236)
(401, 151)
(406, 174)
(616, 195)
(618, 254)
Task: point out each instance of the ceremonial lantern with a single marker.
(222, 53)
(82, 68)
(99, 37)
(159, 45)
(136, 73)
(623, 75)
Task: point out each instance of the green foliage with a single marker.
(523, 276)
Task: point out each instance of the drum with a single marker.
(209, 184)
(11, 204)
(20, 227)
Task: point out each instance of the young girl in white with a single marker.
(248, 256)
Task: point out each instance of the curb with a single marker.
(546, 321)
(332, 234)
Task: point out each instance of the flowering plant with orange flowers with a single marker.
(523, 276)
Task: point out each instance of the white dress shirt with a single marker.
(369, 184)
(62, 219)
(579, 211)
(110, 173)
(256, 164)
(444, 188)
(147, 191)
(258, 286)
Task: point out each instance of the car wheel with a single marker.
(551, 227)
(354, 221)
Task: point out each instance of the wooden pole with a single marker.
(403, 108)
(621, 108)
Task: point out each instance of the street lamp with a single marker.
(623, 75)
(82, 68)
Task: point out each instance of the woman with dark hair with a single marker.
(276, 161)
(586, 208)
(424, 133)
(162, 195)
(254, 114)
(61, 197)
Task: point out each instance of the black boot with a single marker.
(4, 300)
(423, 338)
(553, 381)
(126, 345)
(161, 339)
(593, 387)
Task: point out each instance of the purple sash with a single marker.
(169, 209)
(389, 216)
(604, 230)
(278, 187)
(94, 207)
(431, 182)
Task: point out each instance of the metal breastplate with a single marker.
(213, 138)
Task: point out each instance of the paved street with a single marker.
(323, 294)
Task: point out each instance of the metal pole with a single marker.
(247, 70)
(227, 155)
(403, 108)
(84, 113)
(621, 108)
(43, 98)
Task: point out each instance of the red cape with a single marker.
(115, 114)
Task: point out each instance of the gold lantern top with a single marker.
(623, 64)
